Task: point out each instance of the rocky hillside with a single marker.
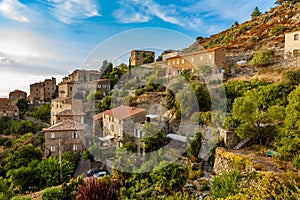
(267, 31)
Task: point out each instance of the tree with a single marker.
(43, 112)
(155, 142)
(203, 96)
(169, 178)
(288, 141)
(22, 104)
(147, 58)
(94, 96)
(195, 146)
(105, 104)
(25, 178)
(253, 114)
(6, 192)
(262, 58)
(106, 69)
(50, 171)
(256, 12)
(25, 127)
(23, 156)
(88, 156)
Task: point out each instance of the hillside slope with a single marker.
(266, 31)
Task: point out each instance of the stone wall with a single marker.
(226, 161)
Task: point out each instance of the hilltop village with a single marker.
(208, 122)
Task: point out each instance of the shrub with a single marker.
(296, 161)
(53, 193)
(278, 30)
(99, 189)
(262, 58)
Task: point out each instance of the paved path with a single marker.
(82, 168)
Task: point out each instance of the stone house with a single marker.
(136, 56)
(60, 104)
(42, 91)
(292, 47)
(77, 116)
(120, 122)
(67, 135)
(14, 96)
(214, 58)
(8, 110)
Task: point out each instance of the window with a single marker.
(169, 63)
(112, 128)
(193, 71)
(75, 147)
(182, 61)
(201, 58)
(192, 59)
(135, 132)
(52, 148)
(52, 136)
(75, 135)
(177, 62)
(71, 89)
(296, 37)
(209, 56)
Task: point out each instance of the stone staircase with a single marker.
(241, 144)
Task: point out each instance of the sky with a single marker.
(50, 38)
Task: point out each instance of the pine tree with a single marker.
(256, 12)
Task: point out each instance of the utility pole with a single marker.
(60, 161)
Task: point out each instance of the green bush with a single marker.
(296, 161)
(5, 142)
(278, 30)
(262, 58)
(52, 194)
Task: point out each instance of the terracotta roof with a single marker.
(66, 125)
(195, 53)
(98, 116)
(9, 108)
(67, 100)
(123, 112)
(69, 112)
(4, 99)
(17, 91)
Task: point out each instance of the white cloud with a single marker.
(72, 11)
(135, 11)
(13, 9)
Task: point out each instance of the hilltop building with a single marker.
(119, 123)
(67, 135)
(14, 96)
(292, 47)
(137, 56)
(61, 104)
(7, 109)
(83, 81)
(215, 58)
(43, 91)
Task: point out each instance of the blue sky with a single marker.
(44, 38)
